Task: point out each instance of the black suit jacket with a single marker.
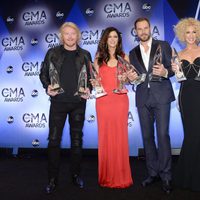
(162, 91)
(56, 56)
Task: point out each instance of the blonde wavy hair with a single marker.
(180, 28)
(71, 25)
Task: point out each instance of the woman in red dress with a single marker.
(112, 116)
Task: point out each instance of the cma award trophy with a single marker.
(54, 79)
(157, 60)
(82, 83)
(175, 59)
(98, 88)
(141, 77)
(197, 78)
(121, 70)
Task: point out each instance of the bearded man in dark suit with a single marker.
(153, 99)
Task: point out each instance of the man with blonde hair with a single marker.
(67, 60)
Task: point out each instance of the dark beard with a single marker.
(145, 39)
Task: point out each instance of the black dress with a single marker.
(188, 168)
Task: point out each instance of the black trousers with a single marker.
(57, 118)
(158, 157)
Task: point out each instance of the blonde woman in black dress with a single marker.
(188, 168)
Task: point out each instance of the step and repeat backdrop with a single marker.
(30, 28)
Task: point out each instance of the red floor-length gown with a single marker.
(112, 116)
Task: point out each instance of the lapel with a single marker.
(152, 53)
(139, 57)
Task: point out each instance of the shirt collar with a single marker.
(149, 43)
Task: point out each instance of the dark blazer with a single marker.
(162, 90)
(56, 56)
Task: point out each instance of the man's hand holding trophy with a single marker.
(132, 73)
(158, 70)
(54, 88)
(82, 90)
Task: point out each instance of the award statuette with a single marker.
(82, 83)
(98, 88)
(157, 60)
(175, 59)
(197, 78)
(121, 69)
(141, 77)
(54, 79)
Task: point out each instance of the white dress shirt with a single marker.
(146, 55)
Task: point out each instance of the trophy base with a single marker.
(79, 93)
(181, 79)
(59, 90)
(140, 79)
(55, 86)
(99, 92)
(120, 91)
(82, 94)
(180, 76)
(97, 95)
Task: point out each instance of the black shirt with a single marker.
(68, 78)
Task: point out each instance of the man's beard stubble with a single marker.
(145, 40)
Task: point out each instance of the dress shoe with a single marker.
(150, 180)
(77, 181)
(51, 187)
(166, 186)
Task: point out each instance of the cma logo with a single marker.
(34, 41)
(89, 11)
(9, 69)
(13, 94)
(34, 120)
(31, 68)
(13, 43)
(34, 93)
(60, 15)
(155, 33)
(34, 17)
(117, 10)
(52, 39)
(90, 37)
(10, 119)
(130, 119)
(10, 19)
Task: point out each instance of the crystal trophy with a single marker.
(197, 78)
(157, 60)
(121, 69)
(54, 79)
(179, 74)
(141, 77)
(98, 88)
(82, 83)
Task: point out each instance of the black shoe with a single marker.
(166, 186)
(150, 180)
(51, 187)
(77, 181)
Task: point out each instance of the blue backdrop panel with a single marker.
(30, 28)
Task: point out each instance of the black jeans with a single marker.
(57, 118)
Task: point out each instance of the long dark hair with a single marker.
(102, 50)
